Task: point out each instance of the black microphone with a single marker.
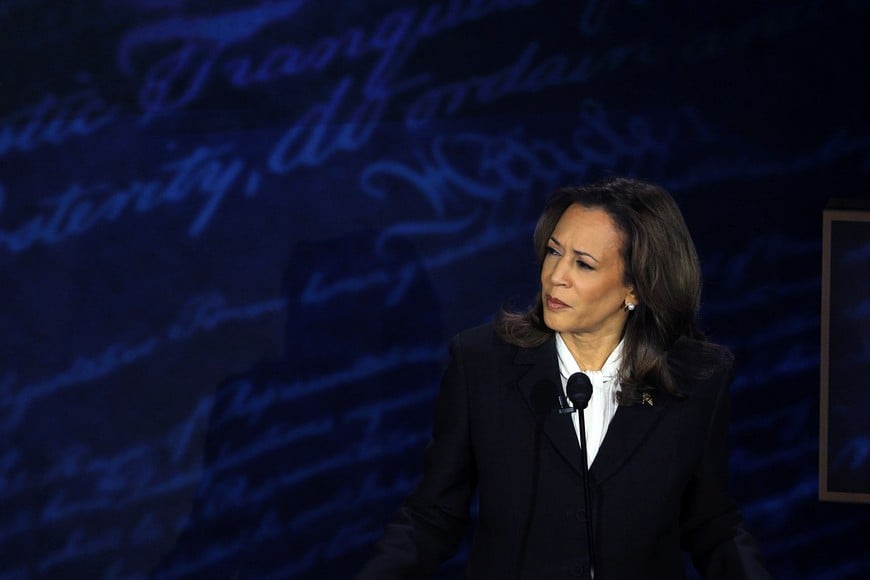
(579, 390)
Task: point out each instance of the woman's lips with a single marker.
(555, 304)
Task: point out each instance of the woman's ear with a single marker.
(631, 300)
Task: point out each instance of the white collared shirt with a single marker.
(602, 405)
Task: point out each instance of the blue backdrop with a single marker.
(236, 235)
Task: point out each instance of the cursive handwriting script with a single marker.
(767, 27)
(178, 78)
(200, 37)
(206, 172)
(527, 74)
(201, 313)
(54, 120)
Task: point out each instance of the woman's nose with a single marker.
(558, 273)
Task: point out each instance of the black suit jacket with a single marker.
(658, 483)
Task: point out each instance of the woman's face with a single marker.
(582, 277)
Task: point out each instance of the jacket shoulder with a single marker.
(483, 336)
(693, 362)
(480, 344)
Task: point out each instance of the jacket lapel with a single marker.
(540, 387)
(626, 432)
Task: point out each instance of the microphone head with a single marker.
(579, 390)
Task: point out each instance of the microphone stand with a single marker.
(579, 390)
(587, 498)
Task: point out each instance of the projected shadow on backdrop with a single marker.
(282, 434)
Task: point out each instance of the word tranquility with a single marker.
(179, 77)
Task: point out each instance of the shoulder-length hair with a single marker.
(661, 264)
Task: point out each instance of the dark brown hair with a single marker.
(661, 264)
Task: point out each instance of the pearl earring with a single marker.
(630, 306)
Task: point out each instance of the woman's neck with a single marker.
(590, 352)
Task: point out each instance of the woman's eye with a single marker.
(583, 265)
(552, 251)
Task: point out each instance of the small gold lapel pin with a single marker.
(647, 399)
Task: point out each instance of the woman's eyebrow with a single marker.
(576, 252)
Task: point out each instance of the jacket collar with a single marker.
(540, 386)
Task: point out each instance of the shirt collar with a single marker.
(568, 366)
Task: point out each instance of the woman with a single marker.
(620, 293)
